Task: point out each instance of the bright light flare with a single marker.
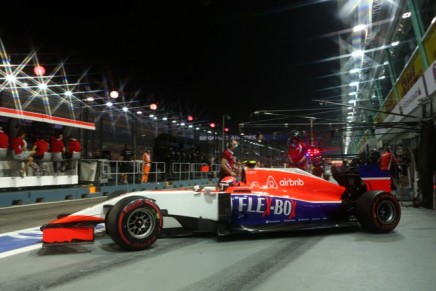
(406, 15)
(114, 94)
(11, 78)
(39, 70)
(359, 27)
(357, 53)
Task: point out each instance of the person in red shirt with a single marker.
(228, 162)
(389, 163)
(41, 146)
(20, 153)
(57, 146)
(387, 159)
(4, 139)
(74, 146)
(297, 152)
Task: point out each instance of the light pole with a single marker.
(311, 130)
(223, 141)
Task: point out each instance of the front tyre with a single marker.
(378, 211)
(134, 223)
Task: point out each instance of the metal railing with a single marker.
(111, 171)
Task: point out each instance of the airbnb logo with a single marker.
(290, 182)
(271, 182)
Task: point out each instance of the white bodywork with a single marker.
(189, 203)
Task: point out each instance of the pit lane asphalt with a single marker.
(346, 259)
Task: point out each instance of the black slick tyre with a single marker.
(378, 211)
(116, 194)
(134, 223)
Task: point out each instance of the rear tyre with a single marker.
(134, 223)
(378, 211)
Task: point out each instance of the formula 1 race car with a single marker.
(264, 200)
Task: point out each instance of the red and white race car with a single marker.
(264, 200)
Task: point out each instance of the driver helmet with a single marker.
(227, 182)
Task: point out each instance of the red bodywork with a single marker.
(292, 183)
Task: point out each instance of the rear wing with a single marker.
(374, 178)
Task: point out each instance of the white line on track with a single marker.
(20, 250)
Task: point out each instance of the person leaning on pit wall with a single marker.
(4, 139)
(57, 146)
(41, 146)
(20, 152)
(74, 146)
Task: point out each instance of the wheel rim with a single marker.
(141, 223)
(386, 212)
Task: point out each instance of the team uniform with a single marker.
(4, 140)
(296, 155)
(146, 158)
(41, 147)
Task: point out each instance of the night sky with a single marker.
(206, 58)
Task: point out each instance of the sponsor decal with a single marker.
(271, 182)
(291, 182)
(265, 205)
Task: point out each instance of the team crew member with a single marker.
(57, 146)
(228, 162)
(4, 139)
(74, 146)
(20, 152)
(41, 146)
(386, 162)
(297, 152)
(146, 159)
